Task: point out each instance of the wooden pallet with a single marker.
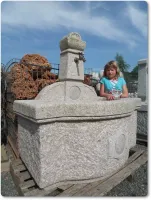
(5, 162)
(10, 153)
(26, 185)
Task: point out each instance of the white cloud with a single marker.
(138, 18)
(90, 5)
(52, 15)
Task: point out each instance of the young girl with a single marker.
(112, 80)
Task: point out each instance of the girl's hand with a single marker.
(110, 97)
(125, 92)
(123, 96)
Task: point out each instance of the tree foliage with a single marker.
(121, 63)
(135, 70)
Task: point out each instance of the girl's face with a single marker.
(111, 72)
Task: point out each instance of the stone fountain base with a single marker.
(82, 142)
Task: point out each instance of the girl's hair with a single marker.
(112, 64)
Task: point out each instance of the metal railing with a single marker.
(55, 67)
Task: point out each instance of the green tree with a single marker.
(134, 73)
(135, 70)
(121, 63)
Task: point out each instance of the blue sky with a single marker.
(108, 27)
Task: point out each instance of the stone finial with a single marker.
(72, 41)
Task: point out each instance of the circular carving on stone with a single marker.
(120, 144)
(74, 92)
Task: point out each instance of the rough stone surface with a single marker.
(142, 119)
(70, 70)
(54, 93)
(71, 45)
(72, 41)
(142, 125)
(132, 129)
(67, 90)
(73, 151)
(143, 79)
(46, 110)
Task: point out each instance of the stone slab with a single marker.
(142, 119)
(143, 79)
(45, 110)
(142, 123)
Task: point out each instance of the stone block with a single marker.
(75, 142)
(143, 79)
(142, 119)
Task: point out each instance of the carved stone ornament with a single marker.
(72, 41)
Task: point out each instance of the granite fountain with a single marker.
(68, 134)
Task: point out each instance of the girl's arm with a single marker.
(103, 94)
(125, 92)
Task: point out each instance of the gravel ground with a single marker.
(7, 185)
(139, 186)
